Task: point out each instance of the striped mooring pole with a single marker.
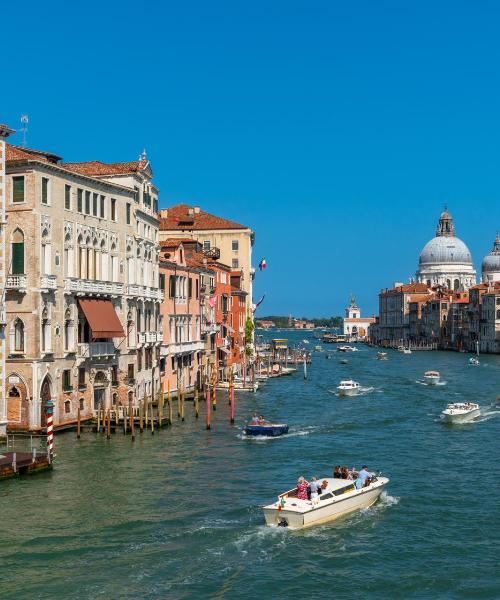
(50, 429)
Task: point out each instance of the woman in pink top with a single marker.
(302, 486)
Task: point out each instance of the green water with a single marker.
(176, 514)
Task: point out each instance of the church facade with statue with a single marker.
(355, 326)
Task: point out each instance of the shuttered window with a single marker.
(94, 204)
(18, 258)
(172, 286)
(45, 190)
(190, 288)
(80, 200)
(87, 203)
(18, 189)
(103, 200)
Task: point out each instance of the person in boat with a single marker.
(337, 472)
(261, 420)
(302, 486)
(364, 478)
(345, 473)
(255, 419)
(315, 486)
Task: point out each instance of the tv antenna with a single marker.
(24, 129)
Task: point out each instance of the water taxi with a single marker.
(239, 385)
(348, 387)
(347, 349)
(340, 497)
(382, 355)
(265, 429)
(432, 377)
(461, 412)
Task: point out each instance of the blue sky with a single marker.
(336, 130)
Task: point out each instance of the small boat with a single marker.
(348, 387)
(347, 349)
(239, 385)
(432, 377)
(318, 348)
(461, 412)
(404, 349)
(474, 361)
(340, 497)
(266, 429)
(344, 361)
(382, 355)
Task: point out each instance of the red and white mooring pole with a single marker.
(50, 430)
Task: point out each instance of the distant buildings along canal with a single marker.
(444, 307)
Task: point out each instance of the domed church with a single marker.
(446, 260)
(491, 263)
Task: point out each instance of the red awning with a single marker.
(102, 318)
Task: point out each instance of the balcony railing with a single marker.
(141, 338)
(16, 282)
(182, 348)
(142, 291)
(159, 336)
(74, 285)
(150, 337)
(48, 282)
(213, 253)
(209, 328)
(96, 349)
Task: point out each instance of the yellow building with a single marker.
(222, 239)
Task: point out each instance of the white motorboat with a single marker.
(474, 361)
(432, 377)
(347, 349)
(239, 385)
(348, 387)
(404, 349)
(382, 355)
(461, 412)
(318, 348)
(340, 497)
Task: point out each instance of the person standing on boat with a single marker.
(363, 475)
(255, 419)
(302, 486)
(315, 486)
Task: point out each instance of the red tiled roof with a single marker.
(96, 167)
(479, 286)
(184, 217)
(18, 153)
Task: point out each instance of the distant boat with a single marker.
(432, 377)
(348, 387)
(266, 429)
(382, 355)
(474, 361)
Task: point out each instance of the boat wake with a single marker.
(487, 414)
(440, 383)
(266, 438)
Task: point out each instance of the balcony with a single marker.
(96, 350)
(182, 348)
(209, 328)
(159, 336)
(141, 339)
(74, 285)
(213, 253)
(150, 337)
(146, 292)
(16, 282)
(48, 282)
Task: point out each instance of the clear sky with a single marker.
(336, 130)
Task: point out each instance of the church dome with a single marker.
(491, 262)
(445, 250)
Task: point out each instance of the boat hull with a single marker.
(460, 418)
(323, 514)
(431, 380)
(265, 430)
(352, 392)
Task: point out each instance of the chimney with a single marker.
(163, 213)
(191, 212)
(196, 210)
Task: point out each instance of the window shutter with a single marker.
(172, 286)
(18, 258)
(18, 189)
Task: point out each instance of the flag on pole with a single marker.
(262, 264)
(259, 303)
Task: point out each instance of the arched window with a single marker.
(17, 252)
(456, 284)
(18, 335)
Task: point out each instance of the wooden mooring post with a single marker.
(196, 403)
(207, 404)
(131, 416)
(78, 424)
(141, 418)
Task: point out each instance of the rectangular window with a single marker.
(206, 245)
(66, 380)
(131, 372)
(190, 288)
(103, 203)
(67, 197)
(87, 203)
(114, 375)
(162, 281)
(171, 288)
(79, 201)
(236, 263)
(113, 209)
(128, 213)
(45, 190)
(94, 204)
(235, 245)
(136, 194)
(81, 377)
(139, 359)
(18, 189)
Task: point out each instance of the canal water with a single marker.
(176, 515)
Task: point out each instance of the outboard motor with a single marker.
(282, 523)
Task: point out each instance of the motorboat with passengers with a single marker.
(432, 377)
(339, 497)
(265, 428)
(461, 412)
(348, 387)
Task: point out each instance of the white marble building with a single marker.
(445, 260)
(491, 263)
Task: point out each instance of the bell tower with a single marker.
(352, 311)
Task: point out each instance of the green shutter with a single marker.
(18, 189)
(18, 258)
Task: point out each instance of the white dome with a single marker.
(445, 250)
(491, 262)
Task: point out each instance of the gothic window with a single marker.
(17, 252)
(18, 335)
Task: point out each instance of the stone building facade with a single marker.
(83, 301)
